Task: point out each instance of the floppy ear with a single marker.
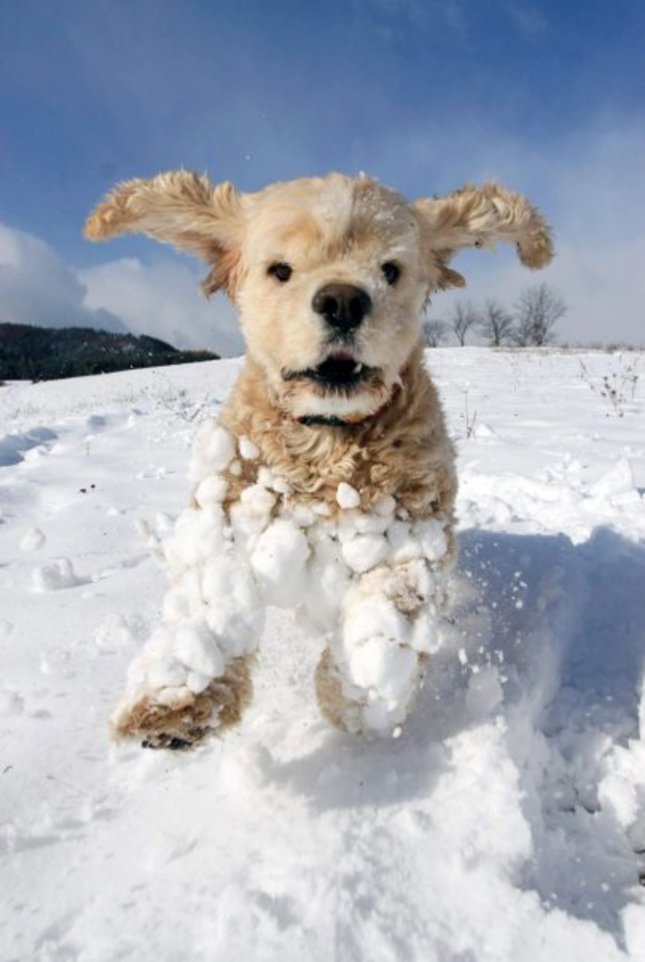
(179, 208)
(480, 216)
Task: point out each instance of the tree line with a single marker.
(41, 354)
(530, 323)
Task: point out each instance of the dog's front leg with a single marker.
(367, 679)
(193, 677)
(229, 556)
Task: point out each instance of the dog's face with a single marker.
(330, 275)
(330, 285)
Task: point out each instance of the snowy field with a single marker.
(506, 824)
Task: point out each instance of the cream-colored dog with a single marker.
(329, 483)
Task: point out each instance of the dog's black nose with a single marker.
(342, 305)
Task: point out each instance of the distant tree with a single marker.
(495, 324)
(537, 311)
(462, 319)
(434, 332)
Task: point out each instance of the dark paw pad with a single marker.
(170, 742)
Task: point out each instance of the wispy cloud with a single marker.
(528, 19)
(441, 13)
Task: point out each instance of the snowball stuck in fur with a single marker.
(211, 490)
(380, 663)
(233, 608)
(347, 496)
(385, 506)
(252, 513)
(196, 648)
(248, 450)
(431, 537)
(371, 614)
(279, 562)
(166, 673)
(197, 536)
(213, 450)
(364, 552)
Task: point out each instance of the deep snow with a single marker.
(506, 821)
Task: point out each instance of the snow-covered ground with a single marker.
(507, 823)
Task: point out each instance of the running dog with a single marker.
(328, 482)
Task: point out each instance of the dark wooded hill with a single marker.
(43, 353)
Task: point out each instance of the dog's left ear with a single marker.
(481, 216)
(179, 208)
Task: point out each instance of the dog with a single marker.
(328, 484)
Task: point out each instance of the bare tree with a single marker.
(434, 332)
(495, 324)
(462, 318)
(537, 311)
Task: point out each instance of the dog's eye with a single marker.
(281, 271)
(391, 272)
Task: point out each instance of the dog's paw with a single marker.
(376, 700)
(340, 710)
(182, 723)
(182, 719)
(171, 742)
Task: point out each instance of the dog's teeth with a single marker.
(358, 368)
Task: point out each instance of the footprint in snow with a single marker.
(56, 575)
(14, 447)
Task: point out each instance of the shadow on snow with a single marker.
(549, 637)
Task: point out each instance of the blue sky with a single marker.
(547, 97)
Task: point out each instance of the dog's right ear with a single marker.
(481, 217)
(179, 208)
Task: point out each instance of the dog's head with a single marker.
(330, 274)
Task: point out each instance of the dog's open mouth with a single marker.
(340, 370)
(337, 371)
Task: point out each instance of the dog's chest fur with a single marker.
(404, 452)
(304, 548)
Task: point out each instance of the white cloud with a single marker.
(37, 287)
(163, 299)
